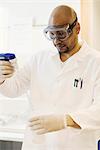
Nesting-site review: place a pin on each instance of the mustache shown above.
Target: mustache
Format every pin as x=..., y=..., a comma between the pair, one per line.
x=59, y=45
x=63, y=52
x=67, y=49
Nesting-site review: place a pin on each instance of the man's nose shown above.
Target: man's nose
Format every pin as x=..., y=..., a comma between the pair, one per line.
x=57, y=40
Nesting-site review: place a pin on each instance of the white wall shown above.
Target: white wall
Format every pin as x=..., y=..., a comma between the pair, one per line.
x=96, y=24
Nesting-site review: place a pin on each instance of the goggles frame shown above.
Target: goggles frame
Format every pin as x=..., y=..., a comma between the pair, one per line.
x=67, y=30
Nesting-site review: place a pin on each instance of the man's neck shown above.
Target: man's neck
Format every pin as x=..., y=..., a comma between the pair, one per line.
x=65, y=56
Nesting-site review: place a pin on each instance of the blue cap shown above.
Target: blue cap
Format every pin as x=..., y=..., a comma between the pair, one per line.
x=7, y=56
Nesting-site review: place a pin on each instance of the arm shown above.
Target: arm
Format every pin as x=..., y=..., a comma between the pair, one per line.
x=15, y=85
x=50, y=123
x=18, y=83
x=6, y=70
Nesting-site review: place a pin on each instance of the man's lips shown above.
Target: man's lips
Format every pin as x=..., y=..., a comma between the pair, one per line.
x=61, y=47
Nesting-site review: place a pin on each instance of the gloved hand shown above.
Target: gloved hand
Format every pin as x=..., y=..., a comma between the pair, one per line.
x=48, y=123
x=6, y=70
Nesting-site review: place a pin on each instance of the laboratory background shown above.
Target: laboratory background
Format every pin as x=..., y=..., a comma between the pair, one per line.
x=21, y=32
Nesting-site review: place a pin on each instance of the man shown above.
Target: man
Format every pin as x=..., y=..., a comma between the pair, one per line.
x=64, y=88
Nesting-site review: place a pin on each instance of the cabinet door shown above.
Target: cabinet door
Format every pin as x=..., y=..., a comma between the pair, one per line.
x=10, y=145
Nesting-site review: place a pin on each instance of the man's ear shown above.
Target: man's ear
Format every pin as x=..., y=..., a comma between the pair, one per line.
x=77, y=27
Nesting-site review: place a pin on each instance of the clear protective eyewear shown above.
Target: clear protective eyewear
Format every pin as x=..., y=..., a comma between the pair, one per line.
x=60, y=32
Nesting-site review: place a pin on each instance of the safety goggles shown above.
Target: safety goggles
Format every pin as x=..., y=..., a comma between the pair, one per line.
x=59, y=32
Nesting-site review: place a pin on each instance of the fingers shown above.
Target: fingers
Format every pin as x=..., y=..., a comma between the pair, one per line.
x=34, y=119
x=5, y=76
x=6, y=72
x=36, y=125
x=33, y=123
x=38, y=129
x=6, y=69
x=2, y=62
x=41, y=131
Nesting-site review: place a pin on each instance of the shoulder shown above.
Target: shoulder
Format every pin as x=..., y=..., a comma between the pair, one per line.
x=91, y=54
x=90, y=58
x=95, y=53
x=95, y=56
x=94, y=59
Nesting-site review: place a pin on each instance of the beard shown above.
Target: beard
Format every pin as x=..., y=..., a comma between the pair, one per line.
x=62, y=50
x=65, y=47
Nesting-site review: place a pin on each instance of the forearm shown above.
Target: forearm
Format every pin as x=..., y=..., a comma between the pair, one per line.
x=8, y=88
x=15, y=86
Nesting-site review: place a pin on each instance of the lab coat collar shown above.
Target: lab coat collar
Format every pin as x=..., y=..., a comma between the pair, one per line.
x=74, y=61
x=79, y=56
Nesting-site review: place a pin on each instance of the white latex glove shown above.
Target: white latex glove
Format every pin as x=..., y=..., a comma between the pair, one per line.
x=6, y=70
x=48, y=123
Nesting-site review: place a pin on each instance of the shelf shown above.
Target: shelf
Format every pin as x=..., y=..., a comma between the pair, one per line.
x=9, y=136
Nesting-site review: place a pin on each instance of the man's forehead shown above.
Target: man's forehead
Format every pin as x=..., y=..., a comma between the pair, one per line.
x=57, y=21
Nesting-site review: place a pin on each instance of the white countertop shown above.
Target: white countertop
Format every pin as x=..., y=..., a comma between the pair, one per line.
x=12, y=133
x=13, y=115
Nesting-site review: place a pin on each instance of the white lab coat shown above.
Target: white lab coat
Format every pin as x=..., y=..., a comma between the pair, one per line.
x=72, y=87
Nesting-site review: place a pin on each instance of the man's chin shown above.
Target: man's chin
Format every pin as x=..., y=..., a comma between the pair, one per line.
x=63, y=50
